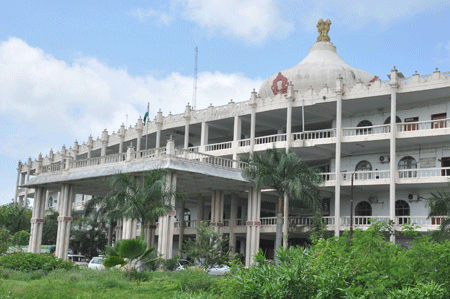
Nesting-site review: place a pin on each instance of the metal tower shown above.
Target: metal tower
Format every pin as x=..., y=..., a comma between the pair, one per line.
x=194, y=96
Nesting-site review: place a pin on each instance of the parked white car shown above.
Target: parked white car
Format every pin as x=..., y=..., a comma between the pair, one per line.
x=96, y=263
x=218, y=270
x=78, y=259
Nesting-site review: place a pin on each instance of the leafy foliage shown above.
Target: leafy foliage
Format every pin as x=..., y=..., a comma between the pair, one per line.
x=132, y=251
x=439, y=204
x=15, y=218
x=367, y=267
x=34, y=261
x=211, y=248
x=87, y=235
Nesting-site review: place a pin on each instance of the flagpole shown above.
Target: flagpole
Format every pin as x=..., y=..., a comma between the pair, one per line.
x=148, y=117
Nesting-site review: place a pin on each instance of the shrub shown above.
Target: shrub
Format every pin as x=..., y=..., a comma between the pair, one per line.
x=34, y=261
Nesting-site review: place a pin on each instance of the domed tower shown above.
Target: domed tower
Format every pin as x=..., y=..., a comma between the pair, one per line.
x=321, y=67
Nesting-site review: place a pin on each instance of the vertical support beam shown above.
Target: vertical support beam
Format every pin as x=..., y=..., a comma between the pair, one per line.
x=166, y=223
x=392, y=148
x=290, y=99
x=104, y=143
x=200, y=212
x=19, y=169
x=253, y=120
x=187, y=117
x=119, y=229
x=253, y=225
x=337, y=188
x=122, y=137
x=237, y=132
x=204, y=136
x=286, y=221
x=182, y=225
x=248, y=247
x=64, y=221
x=47, y=196
x=37, y=220
x=233, y=216
x=90, y=144
x=159, y=122
x=139, y=129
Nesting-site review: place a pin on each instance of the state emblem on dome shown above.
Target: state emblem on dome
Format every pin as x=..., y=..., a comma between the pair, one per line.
x=280, y=87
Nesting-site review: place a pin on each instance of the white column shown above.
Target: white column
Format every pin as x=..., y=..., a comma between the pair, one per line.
x=233, y=216
x=166, y=223
x=204, y=136
x=90, y=144
x=19, y=169
x=187, y=117
x=248, y=243
x=392, y=152
x=47, y=196
x=337, y=188
x=290, y=99
x=104, y=143
x=37, y=220
x=139, y=129
x=119, y=229
x=181, y=234
x=285, y=240
x=252, y=120
x=237, y=132
x=64, y=221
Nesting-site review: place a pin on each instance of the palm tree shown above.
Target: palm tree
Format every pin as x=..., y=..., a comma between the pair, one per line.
x=439, y=204
x=287, y=174
x=144, y=200
x=96, y=209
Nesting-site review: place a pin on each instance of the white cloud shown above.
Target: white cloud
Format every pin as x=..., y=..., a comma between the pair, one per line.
x=358, y=14
x=443, y=52
x=51, y=97
x=142, y=15
x=252, y=20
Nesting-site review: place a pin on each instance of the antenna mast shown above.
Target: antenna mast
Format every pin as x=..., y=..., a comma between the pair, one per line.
x=194, y=96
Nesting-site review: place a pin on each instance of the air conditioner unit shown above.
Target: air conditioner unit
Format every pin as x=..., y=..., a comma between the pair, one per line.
x=413, y=197
x=373, y=199
x=384, y=159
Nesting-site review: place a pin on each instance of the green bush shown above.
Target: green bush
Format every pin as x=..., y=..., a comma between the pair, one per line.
x=34, y=261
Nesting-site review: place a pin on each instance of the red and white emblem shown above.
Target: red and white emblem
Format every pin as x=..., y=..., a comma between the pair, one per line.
x=282, y=87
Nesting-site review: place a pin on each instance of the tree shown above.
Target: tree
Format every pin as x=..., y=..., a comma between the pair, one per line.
x=87, y=235
x=287, y=174
x=144, y=200
x=128, y=252
x=97, y=210
x=210, y=249
x=15, y=218
x=439, y=204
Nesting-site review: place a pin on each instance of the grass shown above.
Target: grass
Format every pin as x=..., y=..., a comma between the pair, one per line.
x=87, y=283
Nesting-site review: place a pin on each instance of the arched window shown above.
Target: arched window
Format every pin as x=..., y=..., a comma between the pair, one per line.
x=367, y=131
x=363, y=166
x=388, y=120
x=402, y=209
x=407, y=162
x=363, y=209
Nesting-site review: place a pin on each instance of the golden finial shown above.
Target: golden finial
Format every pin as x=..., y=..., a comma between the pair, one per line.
x=323, y=28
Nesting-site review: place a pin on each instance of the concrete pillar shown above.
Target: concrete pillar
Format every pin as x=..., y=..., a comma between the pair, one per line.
x=392, y=147
x=237, y=132
x=253, y=120
x=64, y=221
x=204, y=136
x=47, y=196
x=166, y=223
x=285, y=239
x=37, y=220
x=122, y=137
x=90, y=144
x=200, y=212
x=139, y=129
x=30, y=164
x=187, y=117
x=104, y=145
x=337, y=188
x=182, y=225
x=233, y=216
x=159, y=121
x=253, y=224
x=19, y=169
x=119, y=229
x=290, y=99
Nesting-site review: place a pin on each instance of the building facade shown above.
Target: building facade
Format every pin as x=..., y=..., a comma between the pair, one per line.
x=337, y=118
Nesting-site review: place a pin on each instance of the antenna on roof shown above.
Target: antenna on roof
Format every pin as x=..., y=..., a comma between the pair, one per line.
x=194, y=96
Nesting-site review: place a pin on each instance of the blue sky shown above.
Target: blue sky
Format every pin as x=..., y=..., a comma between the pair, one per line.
x=69, y=69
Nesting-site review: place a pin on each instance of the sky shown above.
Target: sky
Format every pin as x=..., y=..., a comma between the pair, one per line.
x=69, y=69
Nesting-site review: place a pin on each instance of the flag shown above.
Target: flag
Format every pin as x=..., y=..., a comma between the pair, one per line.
x=146, y=114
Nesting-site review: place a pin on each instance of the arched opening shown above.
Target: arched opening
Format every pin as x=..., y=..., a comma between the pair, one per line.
x=402, y=209
x=407, y=162
x=363, y=166
x=364, y=131
x=388, y=121
x=362, y=211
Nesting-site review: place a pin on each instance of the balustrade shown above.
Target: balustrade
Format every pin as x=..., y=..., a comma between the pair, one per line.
x=270, y=139
x=424, y=125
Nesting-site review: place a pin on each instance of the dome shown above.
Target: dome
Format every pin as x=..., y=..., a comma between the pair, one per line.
x=321, y=67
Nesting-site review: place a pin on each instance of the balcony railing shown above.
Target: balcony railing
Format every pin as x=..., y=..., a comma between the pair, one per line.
x=371, y=130
x=319, y=134
x=424, y=125
x=270, y=139
x=366, y=175
x=218, y=146
x=424, y=172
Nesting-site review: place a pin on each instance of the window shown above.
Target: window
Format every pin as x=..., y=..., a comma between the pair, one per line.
x=187, y=217
x=402, y=209
x=411, y=127
x=366, y=131
x=407, y=163
x=437, y=122
x=388, y=121
x=50, y=201
x=363, y=166
x=363, y=209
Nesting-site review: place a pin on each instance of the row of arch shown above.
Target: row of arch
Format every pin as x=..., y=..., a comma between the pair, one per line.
x=407, y=162
x=364, y=208
x=367, y=123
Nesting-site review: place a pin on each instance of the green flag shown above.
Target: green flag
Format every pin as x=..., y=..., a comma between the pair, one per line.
x=145, y=118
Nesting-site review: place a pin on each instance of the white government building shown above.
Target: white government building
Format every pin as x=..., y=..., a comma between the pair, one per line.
x=336, y=117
